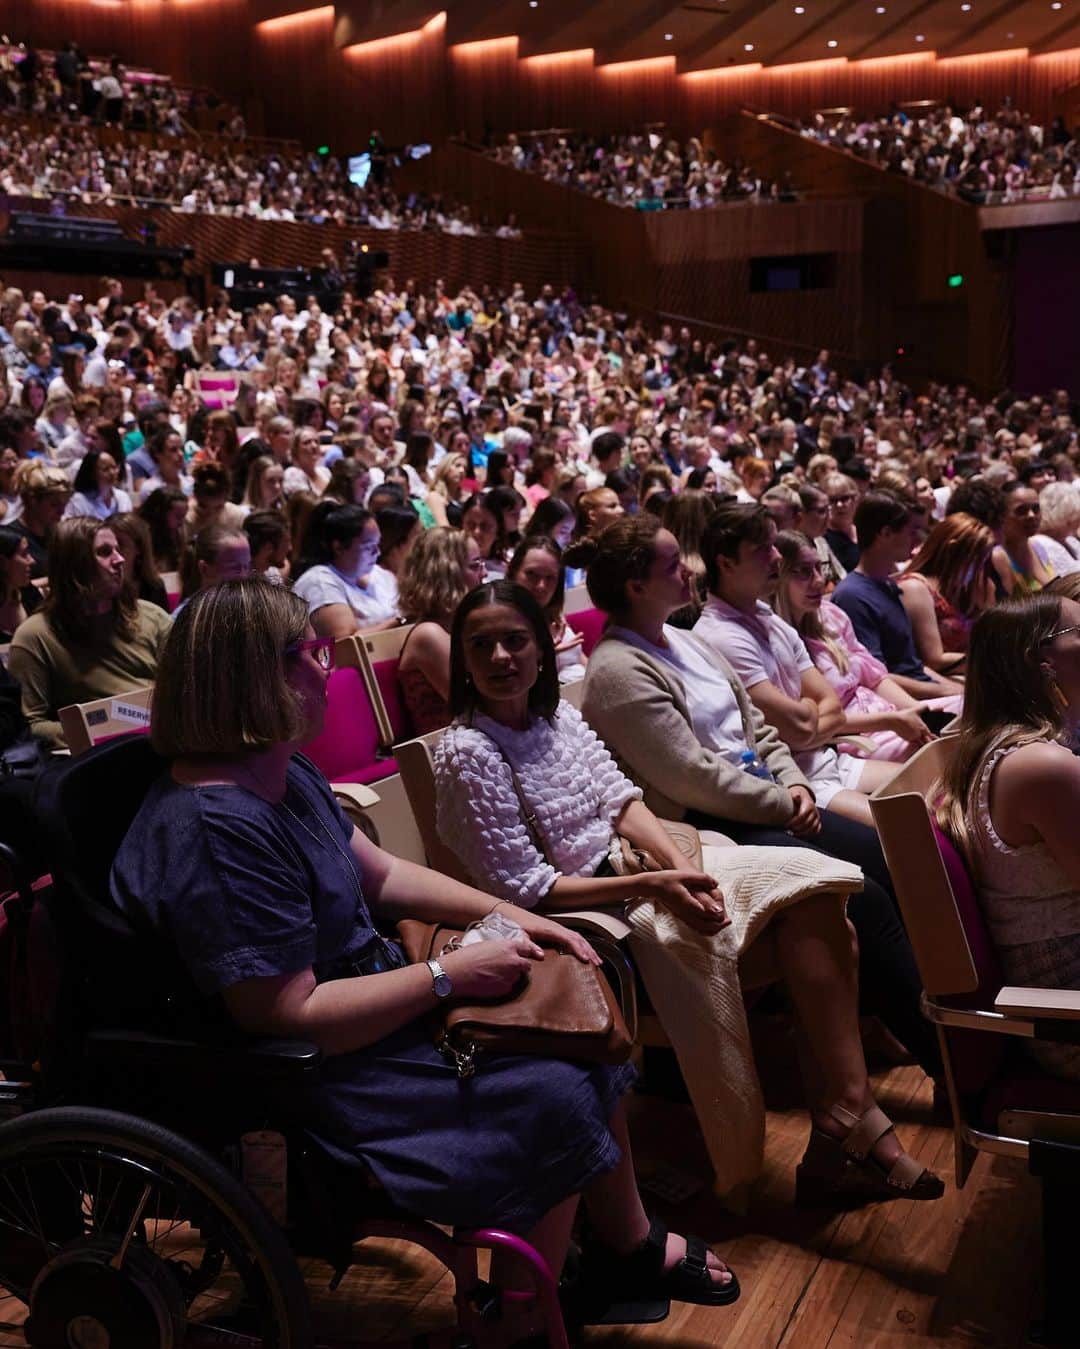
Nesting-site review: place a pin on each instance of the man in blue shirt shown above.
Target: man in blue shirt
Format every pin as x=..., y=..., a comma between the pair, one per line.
x=871, y=599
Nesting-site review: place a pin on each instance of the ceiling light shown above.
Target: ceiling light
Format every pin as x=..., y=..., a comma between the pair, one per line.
x=880, y=9
x=748, y=47
x=800, y=9
x=831, y=42
x=966, y=8
x=920, y=37
x=1056, y=4
x=668, y=37
x=533, y=4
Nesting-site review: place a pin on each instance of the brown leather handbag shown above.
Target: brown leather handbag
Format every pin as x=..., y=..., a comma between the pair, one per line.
x=563, y=1009
x=685, y=837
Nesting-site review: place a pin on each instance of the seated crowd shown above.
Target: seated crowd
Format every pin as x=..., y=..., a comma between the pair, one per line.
x=68, y=85
x=72, y=161
x=644, y=169
x=984, y=157
x=802, y=579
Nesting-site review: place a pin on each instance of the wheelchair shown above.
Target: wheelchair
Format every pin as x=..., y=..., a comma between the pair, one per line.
x=125, y=1219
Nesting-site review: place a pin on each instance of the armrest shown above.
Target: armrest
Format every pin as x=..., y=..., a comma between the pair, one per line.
x=356, y=793
x=857, y=741
x=1039, y=1003
x=357, y=801
x=260, y=1060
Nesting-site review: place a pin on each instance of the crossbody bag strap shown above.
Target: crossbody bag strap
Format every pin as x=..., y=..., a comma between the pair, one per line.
x=532, y=824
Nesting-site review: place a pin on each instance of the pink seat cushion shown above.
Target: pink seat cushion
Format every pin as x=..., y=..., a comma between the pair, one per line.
x=349, y=743
x=386, y=676
x=172, y=598
x=375, y=772
x=977, y=1057
x=590, y=624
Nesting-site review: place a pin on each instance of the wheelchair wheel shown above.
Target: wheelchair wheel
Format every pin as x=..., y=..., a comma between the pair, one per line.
x=115, y=1232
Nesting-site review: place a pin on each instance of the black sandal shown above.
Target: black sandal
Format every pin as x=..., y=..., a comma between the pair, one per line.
x=641, y=1274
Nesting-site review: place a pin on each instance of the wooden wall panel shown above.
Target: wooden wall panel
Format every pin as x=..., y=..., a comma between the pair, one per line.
x=425, y=255
x=416, y=87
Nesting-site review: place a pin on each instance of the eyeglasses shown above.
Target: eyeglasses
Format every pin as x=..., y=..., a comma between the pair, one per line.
x=322, y=648
x=842, y=500
x=807, y=572
x=1060, y=632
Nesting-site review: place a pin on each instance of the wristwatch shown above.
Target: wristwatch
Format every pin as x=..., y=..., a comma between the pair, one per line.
x=440, y=980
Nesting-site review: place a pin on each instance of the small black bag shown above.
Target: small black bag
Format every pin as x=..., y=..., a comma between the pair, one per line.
x=25, y=758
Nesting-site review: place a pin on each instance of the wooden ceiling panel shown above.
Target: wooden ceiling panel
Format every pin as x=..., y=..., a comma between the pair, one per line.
x=646, y=36
x=1007, y=28
x=716, y=34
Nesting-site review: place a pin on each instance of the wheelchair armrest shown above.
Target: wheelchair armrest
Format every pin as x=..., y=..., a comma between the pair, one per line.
x=256, y=1059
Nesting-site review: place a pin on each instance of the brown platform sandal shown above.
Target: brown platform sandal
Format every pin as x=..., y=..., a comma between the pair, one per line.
x=843, y=1171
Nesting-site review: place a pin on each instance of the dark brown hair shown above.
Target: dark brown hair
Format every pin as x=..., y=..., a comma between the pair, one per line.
x=544, y=694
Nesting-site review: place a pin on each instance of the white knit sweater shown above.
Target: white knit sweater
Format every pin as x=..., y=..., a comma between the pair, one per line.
x=570, y=781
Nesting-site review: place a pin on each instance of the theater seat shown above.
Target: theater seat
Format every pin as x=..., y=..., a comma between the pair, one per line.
x=590, y=624
x=348, y=748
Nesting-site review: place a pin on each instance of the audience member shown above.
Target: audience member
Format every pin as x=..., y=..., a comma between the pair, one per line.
x=92, y=637
x=440, y=570
x=946, y=587
x=871, y=598
x=338, y=575
x=1009, y=795
x=537, y=566
x=874, y=704
x=772, y=663
x=136, y=547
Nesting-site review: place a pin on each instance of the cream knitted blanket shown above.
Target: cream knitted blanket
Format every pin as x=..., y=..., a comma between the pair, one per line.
x=693, y=983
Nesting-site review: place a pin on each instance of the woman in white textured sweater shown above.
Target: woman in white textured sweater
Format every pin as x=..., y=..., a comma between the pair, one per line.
x=534, y=805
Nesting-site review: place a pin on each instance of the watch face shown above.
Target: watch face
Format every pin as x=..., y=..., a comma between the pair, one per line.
x=443, y=986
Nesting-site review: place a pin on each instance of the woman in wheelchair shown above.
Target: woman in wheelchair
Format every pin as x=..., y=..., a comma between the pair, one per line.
x=534, y=805
x=241, y=857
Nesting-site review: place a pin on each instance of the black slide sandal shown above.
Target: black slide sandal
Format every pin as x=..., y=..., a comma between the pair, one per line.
x=641, y=1275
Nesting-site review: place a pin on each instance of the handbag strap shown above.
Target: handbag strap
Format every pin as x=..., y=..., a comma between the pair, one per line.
x=532, y=824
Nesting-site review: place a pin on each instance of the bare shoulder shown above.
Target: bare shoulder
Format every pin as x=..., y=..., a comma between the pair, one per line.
x=1041, y=766
x=428, y=638
x=915, y=591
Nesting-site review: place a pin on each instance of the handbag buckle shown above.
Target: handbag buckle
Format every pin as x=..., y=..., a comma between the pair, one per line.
x=463, y=1059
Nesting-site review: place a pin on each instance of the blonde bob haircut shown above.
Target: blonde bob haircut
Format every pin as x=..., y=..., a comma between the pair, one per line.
x=222, y=685
x=434, y=579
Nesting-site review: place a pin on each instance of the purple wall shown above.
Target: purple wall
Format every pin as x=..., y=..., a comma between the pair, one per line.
x=1046, y=299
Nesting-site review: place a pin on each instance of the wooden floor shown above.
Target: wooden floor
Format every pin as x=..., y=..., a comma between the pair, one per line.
x=959, y=1272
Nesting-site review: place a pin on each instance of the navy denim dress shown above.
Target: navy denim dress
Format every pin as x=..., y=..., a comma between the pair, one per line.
x=244, y=889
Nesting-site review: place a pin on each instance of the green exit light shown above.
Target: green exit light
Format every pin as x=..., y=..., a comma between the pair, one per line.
x=956, y=280
x=325, y=150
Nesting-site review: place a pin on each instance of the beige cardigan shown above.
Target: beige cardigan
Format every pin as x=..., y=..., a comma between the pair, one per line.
x=637, y=705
